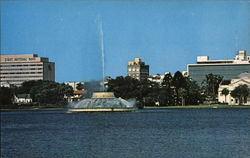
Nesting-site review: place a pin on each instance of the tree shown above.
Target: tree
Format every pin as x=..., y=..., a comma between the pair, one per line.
x=167, y=80
x=126, y=87
x=166, y=93
x=225, y=92
x=212, y=85
x=79, y=86
x=150, y=93
x=241, y=93
x=178, y=82
x=183, y=93
x=5, y=96
x=193, y=90
x=46, y=92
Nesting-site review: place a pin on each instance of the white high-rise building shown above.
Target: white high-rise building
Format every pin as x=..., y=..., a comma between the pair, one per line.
x=15, y=69
x=229, y=69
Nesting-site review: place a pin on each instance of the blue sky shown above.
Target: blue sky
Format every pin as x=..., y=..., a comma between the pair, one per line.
x=166, y=34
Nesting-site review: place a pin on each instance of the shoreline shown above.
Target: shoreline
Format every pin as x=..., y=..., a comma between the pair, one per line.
x=200, y=107
x=147, y=107
x=33, y=109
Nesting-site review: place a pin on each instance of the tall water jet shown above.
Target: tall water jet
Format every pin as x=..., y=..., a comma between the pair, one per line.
x=103, y=101
x=101, y=36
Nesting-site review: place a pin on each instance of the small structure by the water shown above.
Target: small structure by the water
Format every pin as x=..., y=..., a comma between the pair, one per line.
x=103, y=102
x=21, y=99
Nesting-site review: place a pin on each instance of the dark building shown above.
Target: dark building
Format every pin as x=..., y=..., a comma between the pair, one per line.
x=137, y=69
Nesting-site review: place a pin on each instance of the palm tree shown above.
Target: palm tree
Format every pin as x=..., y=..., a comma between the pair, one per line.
x=225, y=92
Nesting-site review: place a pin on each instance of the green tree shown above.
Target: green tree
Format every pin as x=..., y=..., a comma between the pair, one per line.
x=167, y=91
x=212, y=85
x=241, y=93
x=79, y=86
x=6, y=95
x=183, y=94
x=178, y=82
x=46, y=92
x=148, y=92
x=194, y=92
x=167, y=80
x=225, y=92
x=125, y=87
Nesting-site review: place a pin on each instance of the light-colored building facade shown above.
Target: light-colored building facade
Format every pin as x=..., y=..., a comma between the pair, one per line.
x=158, y=78
x=15, y=69
x=73, y=84
x=138, y=69
x=229, y=69
x=22, y=99
x=231, y=85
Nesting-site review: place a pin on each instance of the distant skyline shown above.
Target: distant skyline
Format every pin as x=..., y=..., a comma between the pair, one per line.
x=167, y=35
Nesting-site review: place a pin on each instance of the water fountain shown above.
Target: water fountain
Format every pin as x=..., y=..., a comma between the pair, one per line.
x=103, y=101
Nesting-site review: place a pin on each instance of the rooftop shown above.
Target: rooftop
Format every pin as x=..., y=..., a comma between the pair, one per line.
x=240, y=58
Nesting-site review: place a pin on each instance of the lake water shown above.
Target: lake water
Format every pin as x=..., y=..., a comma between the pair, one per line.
x=177, y=133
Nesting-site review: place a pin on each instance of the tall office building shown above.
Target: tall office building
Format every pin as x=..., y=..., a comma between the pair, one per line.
x=137, y=69
x=15, y=69
x=229, y=69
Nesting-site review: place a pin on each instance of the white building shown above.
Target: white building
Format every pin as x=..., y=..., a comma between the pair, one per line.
x=138, y=69
x=157, y=78
x=229, y=69
x=73, y=84
x=231, y=85
x=15, y=69
x=22, y=99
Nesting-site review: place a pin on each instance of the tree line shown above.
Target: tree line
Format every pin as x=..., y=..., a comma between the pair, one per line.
x=174, y=90
x=43, y=93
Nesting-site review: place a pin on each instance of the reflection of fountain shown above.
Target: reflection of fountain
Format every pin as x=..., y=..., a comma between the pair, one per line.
x=103, y=101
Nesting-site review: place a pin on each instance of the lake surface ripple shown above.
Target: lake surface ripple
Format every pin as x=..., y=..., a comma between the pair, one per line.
x=177, y=133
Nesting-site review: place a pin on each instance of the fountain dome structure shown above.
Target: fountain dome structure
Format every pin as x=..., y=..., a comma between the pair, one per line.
x=103, y=102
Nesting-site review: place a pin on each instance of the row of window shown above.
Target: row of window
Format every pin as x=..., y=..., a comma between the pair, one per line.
x=8, y=73
x=21, y=69
x=20, y=76
x=135, y=75
x=223, y=70
x=206, y=67
x=134, y=69
x=12, y=81
x=19, y=65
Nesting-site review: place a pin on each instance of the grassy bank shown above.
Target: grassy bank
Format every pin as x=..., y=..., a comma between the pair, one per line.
x=200, y=107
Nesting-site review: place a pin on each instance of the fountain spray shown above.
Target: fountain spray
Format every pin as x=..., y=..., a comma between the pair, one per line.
x=100, y=28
